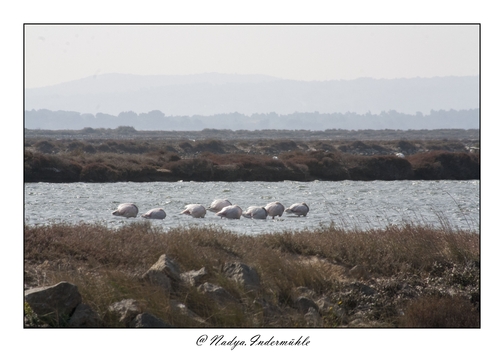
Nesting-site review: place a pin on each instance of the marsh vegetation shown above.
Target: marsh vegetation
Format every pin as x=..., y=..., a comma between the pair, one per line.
x=401, y=276
x=139, y=160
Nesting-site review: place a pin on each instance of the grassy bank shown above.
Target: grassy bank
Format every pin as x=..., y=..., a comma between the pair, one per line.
x=47, y=160
x=407, y=276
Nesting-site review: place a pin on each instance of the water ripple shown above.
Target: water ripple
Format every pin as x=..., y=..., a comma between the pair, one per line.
x=349, y=204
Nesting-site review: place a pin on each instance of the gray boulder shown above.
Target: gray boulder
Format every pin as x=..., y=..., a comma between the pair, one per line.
x=193, y=318
x=146, y=320
x=243, y=274
x=84, y=316
x=126, y=310
x=217, y=293
x=54, y=304
x=164, y=273
x=194, y=277
x=303, y=304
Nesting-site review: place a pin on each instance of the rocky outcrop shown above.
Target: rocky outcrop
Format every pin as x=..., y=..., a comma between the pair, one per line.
x=303, y=304
x=146, y=320
x=303, y=291
x=58, y=305
x=194, y=277
x=85, y=317
x=130, y=313
x=243, y=274
x=383, y=167
x=193, y=318
x=125, y=310
x=217, y=293
x=164, y=273
x=54, y=304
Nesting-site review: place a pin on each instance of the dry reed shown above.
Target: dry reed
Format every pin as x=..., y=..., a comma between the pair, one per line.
x=404, y=265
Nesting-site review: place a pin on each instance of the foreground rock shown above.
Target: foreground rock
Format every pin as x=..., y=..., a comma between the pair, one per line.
x=54, y=304
x=130, y=313
x=193, y=318
x=194, y=277
x=146, y=320
x=217, y=293
x=164, y=273
x=243, y=274
x=303, y=304
x=125, y=310
x=85, y=317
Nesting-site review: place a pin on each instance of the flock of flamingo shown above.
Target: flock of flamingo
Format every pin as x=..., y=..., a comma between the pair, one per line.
x=222, y=208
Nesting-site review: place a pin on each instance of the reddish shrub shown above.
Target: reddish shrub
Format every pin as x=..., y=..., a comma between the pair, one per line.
x=381, y=168
x=48, y=168
x=284, y=145
x=131, y=148
x=104, y=148
x=142, y=174
x=213, y=146
x=437, y=165
x=98, y=172
x=163, y=156
x=186, y=147
x=320, y=164
x=76, y=145
x=192, y=169
x=407, y=147
x=88, y=148
x=319, y=155
x=324, y=146
x=45, y=147
x=229, y=172
x=242, y=160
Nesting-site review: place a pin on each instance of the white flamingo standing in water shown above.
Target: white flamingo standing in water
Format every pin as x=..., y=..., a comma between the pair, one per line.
x=298, y=209
x=218, y=204
x=274, y=209
x=195, y=210
x=127, y=210
x=230, y=212
x=255, y=212
x=156, y=213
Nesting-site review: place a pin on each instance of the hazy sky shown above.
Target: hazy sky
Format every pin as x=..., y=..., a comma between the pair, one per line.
x=60, y=53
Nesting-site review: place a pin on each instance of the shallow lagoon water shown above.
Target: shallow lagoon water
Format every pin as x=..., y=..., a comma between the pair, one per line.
x=348, y=204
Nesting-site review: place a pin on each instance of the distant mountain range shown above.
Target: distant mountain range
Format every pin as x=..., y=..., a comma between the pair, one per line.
x=213, y=93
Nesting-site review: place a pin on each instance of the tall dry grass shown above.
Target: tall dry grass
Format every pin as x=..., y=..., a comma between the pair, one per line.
x=106, y=265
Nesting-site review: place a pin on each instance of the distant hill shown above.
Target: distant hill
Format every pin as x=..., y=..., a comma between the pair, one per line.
x=156, y=121
x=213, y=93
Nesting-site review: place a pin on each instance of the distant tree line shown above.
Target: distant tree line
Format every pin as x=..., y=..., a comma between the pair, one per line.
x=157, y=120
